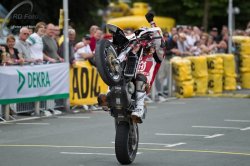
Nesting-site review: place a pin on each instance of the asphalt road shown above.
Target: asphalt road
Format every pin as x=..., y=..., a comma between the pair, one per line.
x=184, y=132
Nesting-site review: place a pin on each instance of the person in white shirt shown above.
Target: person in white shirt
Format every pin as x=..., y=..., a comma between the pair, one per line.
x=182, y=45
x=83, y=51
x=36, y=43
x=22, y=46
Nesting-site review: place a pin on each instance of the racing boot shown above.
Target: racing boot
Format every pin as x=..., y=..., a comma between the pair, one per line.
x=102, y=101
x=138, y=113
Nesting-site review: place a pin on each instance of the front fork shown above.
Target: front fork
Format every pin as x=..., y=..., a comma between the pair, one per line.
x=123, y=55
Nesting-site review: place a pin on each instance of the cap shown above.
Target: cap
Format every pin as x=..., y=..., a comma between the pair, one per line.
x=86, y=37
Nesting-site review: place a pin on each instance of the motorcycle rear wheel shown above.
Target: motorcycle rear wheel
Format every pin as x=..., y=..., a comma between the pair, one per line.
x=126, y=142
x=105, y=53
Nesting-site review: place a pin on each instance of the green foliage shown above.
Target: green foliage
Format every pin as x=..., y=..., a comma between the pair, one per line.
x=191, y=12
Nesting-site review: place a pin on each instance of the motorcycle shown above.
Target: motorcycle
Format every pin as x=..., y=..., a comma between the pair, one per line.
x=118, y=69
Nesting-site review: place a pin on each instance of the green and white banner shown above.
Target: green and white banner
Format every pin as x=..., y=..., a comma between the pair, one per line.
x=33, y=83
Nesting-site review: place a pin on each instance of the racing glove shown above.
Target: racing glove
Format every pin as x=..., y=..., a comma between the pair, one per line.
x=149, y=16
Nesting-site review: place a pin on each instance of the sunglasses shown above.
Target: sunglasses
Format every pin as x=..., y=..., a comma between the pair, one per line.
x=26, y=33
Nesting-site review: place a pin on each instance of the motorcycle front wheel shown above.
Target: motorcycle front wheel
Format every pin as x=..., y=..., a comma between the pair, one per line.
x=126, y=142
x=105, y=53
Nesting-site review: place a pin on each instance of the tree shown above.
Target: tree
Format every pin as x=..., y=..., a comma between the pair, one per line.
x=207, y=13
x=83, y=14
x=205, y=17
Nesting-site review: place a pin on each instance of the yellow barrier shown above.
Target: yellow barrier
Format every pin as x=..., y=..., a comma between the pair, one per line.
x=209, y=74
x=201, y=85
x=245, y=80
x=182, y=75
x=241, y=39
x=199, y=73
x=215, y=64
x=245, y=48
x=229, y=83
x=215, y=83
x=228, y=65
x=245, y=63
x=182, y=69
x=198, y=66
x=185, y=89
x=85, y=84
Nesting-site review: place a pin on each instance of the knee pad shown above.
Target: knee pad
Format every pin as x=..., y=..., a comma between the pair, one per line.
x=141, y=83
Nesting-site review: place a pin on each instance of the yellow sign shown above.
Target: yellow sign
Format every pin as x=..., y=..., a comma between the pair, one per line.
x=85, y=84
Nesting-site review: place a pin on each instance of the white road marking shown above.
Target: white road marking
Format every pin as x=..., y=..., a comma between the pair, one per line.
x=220, y=127
x=174, y=145
x=100, y=154
x=74, y=117
x=33, y=123
x=158, y=144
x=244, y=129
x=191, y=135
x=215, y=135
x=232, y=120
x=165, y=145
x=161, y=144
x=217, y=127
x=188, y=135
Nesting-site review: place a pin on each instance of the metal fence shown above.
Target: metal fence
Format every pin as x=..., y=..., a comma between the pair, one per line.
x=29, y=108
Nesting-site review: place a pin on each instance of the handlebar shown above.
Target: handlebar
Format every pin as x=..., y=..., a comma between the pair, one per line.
x=123, y=54
x=141, y=39
x=149, y=38
x=157, y=37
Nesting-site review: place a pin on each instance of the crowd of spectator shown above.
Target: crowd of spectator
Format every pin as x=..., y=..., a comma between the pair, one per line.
x=45, y=44
x=192, y=40
x=185, y=40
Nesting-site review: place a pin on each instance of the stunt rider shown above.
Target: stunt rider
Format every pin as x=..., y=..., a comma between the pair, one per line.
x=148, y=67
